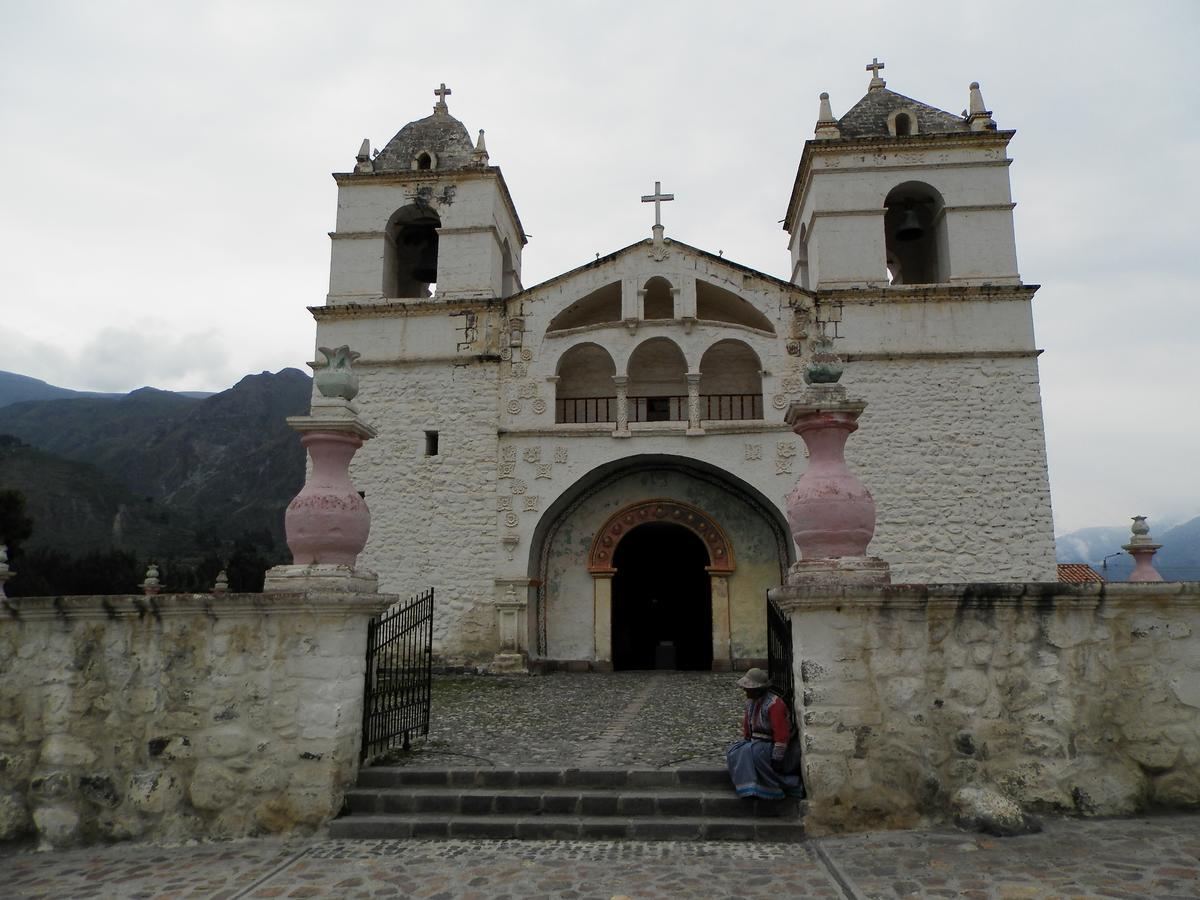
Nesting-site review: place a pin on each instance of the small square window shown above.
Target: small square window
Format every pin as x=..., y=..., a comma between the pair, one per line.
x=431, y=443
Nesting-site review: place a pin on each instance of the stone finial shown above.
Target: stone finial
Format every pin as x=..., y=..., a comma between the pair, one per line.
x=222, y=584
x=877, y=83
x=151, y=585
x=1142, y=548
x=363, y=164
x=5, y=572
x=480, y=155
x=337, y=378
x=827, y=128
x=979, y=118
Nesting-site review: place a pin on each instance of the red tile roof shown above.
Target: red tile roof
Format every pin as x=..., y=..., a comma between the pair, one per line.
x=1077, y=573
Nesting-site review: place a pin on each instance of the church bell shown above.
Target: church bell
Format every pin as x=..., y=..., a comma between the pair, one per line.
x=910, y=228
x=422, y=242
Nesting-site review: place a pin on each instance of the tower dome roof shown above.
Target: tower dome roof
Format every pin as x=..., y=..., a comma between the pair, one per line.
x=440, y=136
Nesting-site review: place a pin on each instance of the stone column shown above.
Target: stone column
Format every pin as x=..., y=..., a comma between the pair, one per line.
x=602, y=619
x=512, y=630
x=693, y=401
x=622, y=385
x=722, y=650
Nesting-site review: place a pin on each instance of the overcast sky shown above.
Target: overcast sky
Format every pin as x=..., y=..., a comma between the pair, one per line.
x=167, y=198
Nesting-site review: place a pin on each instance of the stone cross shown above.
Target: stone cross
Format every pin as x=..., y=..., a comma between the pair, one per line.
x=657, y=198
x=873, y=68
x=441, y=93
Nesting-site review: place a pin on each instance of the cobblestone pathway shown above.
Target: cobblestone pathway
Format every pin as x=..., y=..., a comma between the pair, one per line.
x=620, y=719
x=1125, y=858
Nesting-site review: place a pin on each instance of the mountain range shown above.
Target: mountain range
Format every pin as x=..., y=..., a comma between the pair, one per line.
x=153, y=472
x=168, y=474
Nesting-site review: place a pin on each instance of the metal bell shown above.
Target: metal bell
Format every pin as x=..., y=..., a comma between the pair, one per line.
x=910, y=228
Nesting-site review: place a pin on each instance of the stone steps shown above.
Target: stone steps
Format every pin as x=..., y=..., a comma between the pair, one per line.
x=541, y=804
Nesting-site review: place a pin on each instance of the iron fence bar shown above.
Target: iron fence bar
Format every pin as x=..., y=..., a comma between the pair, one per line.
x=779, y=652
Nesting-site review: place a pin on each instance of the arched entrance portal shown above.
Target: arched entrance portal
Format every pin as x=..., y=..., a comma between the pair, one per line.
x=661, y=600
x=660, y=571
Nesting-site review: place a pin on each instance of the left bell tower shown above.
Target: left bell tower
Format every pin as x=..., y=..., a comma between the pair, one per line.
x=425, y=217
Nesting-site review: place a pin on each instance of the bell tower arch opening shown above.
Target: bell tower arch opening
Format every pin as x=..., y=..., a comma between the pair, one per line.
x=410, y=252
x=914, y=234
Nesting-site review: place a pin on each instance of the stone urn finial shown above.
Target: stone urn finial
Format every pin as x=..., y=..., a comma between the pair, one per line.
x=151, y=585
x=1142, y=548
x=222, y=584
x=337, y=379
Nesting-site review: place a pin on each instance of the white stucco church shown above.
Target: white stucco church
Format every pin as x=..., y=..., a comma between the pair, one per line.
x=591, y=471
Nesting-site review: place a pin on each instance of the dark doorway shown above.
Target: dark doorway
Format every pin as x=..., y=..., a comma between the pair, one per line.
x=661, y=600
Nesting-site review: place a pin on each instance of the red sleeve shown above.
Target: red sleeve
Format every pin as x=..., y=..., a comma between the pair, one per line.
x=746, y=723
x=780, y=726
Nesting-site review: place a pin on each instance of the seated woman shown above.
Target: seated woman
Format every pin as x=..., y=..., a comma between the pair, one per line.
x=766, y=762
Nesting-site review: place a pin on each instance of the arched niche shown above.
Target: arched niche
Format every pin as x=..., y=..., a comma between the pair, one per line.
x=658, y=299
x=585, y=391
x=730, y=382
x=410, y=251
x=602, y=306
x=604, y=545
x=715, y=304
x=657, y=388
x=915, y=234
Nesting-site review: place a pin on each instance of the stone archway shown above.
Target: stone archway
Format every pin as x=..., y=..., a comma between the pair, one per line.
x=665, y=512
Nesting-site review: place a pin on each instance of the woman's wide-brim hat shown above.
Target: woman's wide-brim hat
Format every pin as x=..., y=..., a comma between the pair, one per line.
x=755, y=678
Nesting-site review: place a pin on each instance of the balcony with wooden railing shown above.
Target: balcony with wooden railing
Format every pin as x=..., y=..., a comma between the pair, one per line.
x=672, y=408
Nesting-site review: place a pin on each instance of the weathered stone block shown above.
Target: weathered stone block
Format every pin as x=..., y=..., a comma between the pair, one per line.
x=15, y=819
x=155, y=791
x=221, y=742
x=57, y=826
x=1158, y=756
x=213, y=786
x=64, y=750
x=1109, y=787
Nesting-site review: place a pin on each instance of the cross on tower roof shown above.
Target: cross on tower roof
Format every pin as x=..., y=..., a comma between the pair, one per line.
x=441, y=93
x=874, y=67
x=657, y=198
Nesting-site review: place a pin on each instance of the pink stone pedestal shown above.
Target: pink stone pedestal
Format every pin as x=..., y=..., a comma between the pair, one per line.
x=327, y=523
x=1142, y=548
x=831, y=512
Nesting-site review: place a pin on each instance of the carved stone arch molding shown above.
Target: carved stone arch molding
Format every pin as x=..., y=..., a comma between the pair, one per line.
x=620, y=523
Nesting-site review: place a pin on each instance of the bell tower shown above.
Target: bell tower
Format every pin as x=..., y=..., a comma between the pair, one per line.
x=426, y=216
x=897, y=192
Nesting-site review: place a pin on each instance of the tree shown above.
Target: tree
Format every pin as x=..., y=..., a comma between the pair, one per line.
x=15, y=526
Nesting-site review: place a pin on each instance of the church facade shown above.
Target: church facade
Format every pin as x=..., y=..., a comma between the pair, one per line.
x=591, y=471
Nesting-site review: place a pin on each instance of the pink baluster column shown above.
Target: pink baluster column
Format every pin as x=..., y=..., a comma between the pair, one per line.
x=831, y=512
x=328, y=522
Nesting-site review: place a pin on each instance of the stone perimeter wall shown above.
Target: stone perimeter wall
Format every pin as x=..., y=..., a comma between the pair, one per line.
x=178, y=716
x=1080, y=699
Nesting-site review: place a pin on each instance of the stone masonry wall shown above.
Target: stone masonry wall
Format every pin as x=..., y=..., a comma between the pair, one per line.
x=178, y=716
x=1069, y=698
x=433, y=518
x=954, y=453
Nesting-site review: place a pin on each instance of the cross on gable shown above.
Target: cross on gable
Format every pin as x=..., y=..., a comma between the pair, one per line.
x=441, y=93
x=873, y=68
x=657, y=198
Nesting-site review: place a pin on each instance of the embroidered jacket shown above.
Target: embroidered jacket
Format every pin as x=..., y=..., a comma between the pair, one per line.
x=767, y=719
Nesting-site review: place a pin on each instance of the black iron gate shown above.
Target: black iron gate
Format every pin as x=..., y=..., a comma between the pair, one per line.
x=779, y=652
x=399, y=675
